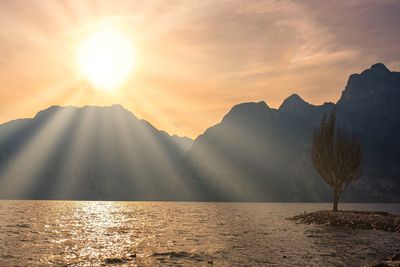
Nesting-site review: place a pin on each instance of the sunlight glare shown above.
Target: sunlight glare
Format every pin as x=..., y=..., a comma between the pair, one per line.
x=105, y=59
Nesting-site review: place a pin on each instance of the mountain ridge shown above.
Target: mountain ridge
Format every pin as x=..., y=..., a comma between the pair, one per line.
x=283, y=144
x=255, y=153
x=87, y=153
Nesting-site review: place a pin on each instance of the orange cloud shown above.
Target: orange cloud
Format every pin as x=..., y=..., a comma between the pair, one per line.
x=196, y=59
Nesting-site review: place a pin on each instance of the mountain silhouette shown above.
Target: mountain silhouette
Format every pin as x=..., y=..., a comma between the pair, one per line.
x=258, y=153
x=103, y=153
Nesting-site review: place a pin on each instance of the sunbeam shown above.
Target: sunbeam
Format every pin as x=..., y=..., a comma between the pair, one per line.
x=195, y=133
x=23, y=168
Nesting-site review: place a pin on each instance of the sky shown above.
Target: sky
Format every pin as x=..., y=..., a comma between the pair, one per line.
x=194, y=59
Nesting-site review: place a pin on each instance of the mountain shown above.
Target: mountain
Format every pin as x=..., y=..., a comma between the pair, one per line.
x=257, y=153
x=369, y=106
x=103, y=153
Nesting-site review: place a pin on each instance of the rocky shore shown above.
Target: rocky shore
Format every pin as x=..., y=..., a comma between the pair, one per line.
x=393, y=261
x=375, y=220
x=353, y=219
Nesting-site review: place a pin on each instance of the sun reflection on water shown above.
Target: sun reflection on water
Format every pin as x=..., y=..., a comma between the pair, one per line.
x=99, y=228
x=79, y=233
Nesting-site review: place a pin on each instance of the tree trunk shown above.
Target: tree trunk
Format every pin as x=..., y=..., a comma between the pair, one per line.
x=335, y=202
x=335, y=199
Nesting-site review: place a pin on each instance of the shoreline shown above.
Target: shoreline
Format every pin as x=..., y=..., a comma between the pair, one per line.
x=354, y=219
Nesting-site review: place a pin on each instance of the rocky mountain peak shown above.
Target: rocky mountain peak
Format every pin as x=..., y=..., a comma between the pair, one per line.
x=379, y=67
x=248, y=109
x=376, y=85
x=293, y=103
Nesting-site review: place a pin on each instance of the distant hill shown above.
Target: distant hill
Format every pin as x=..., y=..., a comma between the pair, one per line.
x=257, y=153
x=87, y=153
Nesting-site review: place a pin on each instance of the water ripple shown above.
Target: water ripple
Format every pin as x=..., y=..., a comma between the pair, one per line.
x=79, y=233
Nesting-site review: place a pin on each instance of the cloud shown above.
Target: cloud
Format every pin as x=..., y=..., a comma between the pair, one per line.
x=197, y=58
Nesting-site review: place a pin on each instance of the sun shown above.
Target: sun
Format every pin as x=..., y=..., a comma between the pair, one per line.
x=105, y=58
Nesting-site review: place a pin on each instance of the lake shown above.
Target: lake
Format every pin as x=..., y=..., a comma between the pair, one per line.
x=87, y=233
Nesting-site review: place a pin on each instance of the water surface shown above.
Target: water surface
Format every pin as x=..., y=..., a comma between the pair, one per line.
x=84, y=233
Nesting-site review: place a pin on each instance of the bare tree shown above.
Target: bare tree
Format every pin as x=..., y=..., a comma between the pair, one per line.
x=336, y=155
